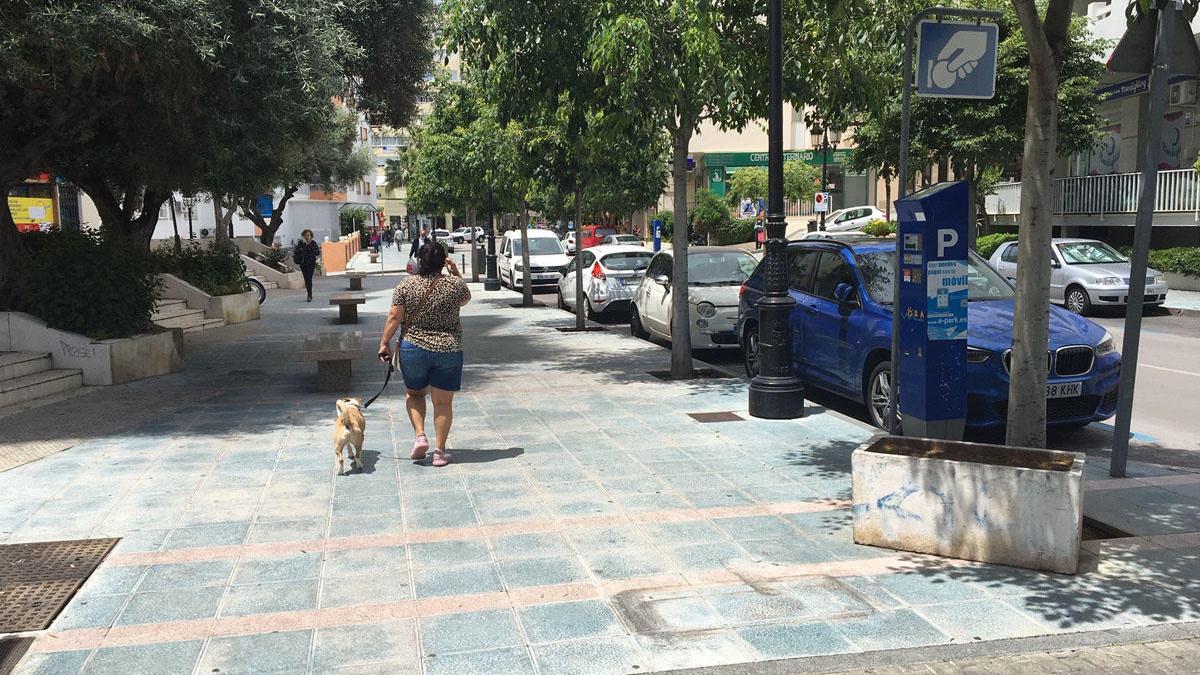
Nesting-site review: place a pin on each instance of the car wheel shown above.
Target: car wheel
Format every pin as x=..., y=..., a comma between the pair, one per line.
x=1077, y=301
x=589, y=313
x=750, y=355
x=635, y=325
x=562, y=302
x=879, y=388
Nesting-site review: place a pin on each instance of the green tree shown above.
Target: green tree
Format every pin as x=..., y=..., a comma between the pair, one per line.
x=746, y=183
x=800, y=181
x=710, y=214
x=681, y=63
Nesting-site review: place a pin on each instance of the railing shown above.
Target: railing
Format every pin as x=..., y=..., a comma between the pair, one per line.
x=800, y=208
x=1178, y=191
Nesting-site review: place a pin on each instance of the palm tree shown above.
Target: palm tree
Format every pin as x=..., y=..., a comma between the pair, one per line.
x=395, y=171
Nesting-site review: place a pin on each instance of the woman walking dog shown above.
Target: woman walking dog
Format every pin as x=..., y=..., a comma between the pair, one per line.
x=425, y=309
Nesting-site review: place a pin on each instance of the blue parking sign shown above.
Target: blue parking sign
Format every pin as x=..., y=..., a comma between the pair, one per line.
x=957, y=59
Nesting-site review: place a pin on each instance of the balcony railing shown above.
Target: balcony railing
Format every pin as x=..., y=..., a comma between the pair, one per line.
x=1178, y=191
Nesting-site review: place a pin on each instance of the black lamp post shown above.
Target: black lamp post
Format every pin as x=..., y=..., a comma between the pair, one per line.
x=189, y=201
x=775, y=392
x=492, y=282
x=821, y=141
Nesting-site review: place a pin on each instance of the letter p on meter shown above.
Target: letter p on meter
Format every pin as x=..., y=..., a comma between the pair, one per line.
x=946, y=238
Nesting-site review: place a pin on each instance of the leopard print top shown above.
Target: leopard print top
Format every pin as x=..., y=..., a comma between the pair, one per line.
x=434, y=323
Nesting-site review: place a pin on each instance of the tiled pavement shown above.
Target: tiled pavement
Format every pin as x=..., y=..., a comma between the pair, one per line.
x=589, y=526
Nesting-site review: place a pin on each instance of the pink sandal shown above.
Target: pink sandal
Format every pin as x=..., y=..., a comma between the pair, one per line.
x=441, y=457
x=420, y=447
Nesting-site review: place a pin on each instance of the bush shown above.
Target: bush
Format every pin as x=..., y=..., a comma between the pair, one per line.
x=987, y=245
x=668, y=221
x=710, y=215
x=85, y=283
x=880, y=228
x=735, y=231
x=216, y=270
x=1179, y=260
x=278, y=258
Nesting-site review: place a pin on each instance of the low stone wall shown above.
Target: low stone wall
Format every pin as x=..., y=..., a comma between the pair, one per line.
x=102, y=362
x=231, y=308
x=335, y=255
x=1182, y=282
x=282, y=279
x=989, y=512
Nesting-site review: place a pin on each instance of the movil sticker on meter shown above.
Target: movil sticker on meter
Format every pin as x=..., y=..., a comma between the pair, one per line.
x=946, y=300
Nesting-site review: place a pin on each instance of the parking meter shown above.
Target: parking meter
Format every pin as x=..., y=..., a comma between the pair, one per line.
x=933, y=310
x=657, y=235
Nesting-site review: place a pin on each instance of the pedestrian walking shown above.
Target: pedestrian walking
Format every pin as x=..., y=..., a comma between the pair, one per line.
x=414, y=263
x=425, y=310
x=305, y=255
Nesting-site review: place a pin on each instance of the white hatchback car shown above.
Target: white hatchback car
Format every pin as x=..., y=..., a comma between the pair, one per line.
x=611, y=274
x=853, y=218
x=715, y=277
x=625, y=239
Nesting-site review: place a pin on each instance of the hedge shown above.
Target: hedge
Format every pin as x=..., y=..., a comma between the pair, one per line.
x=987, y=245
x=880, y=228
x=735, y=231
x=216, y=270
x=1180, y=260
x=83, y=282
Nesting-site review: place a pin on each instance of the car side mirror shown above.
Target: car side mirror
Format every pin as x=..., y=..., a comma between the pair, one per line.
x=662, y=280
x=1055, y=264
x=844, y=294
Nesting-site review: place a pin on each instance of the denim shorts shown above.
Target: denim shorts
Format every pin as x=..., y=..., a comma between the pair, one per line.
x=422, y=368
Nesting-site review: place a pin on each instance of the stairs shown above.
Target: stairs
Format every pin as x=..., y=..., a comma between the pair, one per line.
x=26, y=376
x=269, y=285
x=175, y=314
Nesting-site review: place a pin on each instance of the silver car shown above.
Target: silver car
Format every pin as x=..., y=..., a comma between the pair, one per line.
x=1085, y=273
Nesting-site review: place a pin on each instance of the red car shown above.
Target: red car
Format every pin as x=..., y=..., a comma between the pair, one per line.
x=593, y=235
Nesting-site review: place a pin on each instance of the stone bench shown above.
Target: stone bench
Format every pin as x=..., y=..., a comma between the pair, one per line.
x=374, y=257
x=356, y=280
x=333, y=353
x=347, y=304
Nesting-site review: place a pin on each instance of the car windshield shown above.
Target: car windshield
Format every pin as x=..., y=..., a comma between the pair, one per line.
x=720, y=268
x=879, y=270
x=1089, y=253
x=628, y=260
x=539, y=246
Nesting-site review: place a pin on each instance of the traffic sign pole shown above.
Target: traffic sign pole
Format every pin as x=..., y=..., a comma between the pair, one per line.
x=893, y=417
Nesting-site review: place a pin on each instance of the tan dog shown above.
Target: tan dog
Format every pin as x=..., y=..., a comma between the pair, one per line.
x=348, y=430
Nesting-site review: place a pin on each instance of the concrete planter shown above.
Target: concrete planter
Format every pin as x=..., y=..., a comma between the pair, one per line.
x=1182, y=282
x=237, y=308
x=103, y=362
x=990, y=503
x=281, y=279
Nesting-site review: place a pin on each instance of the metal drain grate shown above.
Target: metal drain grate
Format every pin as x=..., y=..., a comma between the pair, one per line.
x=586, y=329
x=713, y=417
x=37, y=580
x=11, y=651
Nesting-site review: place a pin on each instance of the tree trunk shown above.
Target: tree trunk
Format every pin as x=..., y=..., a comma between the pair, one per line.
x=580, y=322
x=681, y=320
x=973, y=210
x=887, y=196
x=267, y=228
x=526, y=279
x=219, y=231
x=117, y=213
x=13, y=256
x=1031, y=318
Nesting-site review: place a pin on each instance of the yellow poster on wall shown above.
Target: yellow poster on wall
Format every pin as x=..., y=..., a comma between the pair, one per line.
x=31, y=213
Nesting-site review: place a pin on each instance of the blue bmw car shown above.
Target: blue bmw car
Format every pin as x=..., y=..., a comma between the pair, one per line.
x=842, y=336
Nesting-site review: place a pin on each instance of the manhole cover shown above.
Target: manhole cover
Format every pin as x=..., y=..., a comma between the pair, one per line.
x=37, y=580
x=11, y=651
x=697, y=374
x=712, y=417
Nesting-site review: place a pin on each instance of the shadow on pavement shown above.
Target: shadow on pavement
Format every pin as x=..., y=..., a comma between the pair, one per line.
x=469, y=456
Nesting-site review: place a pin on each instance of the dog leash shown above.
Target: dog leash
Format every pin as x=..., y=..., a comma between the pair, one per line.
x=386, y=378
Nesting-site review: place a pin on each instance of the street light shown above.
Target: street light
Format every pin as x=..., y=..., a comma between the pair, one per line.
x=188, y=202
x=825, y=142
x=491, y=283
x=775, y=392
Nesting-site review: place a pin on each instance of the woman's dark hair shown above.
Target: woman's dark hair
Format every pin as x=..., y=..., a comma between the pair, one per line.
x=432, y=258
x=306, y=231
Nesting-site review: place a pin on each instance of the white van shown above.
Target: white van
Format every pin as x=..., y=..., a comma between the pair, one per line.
x=547, y=260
